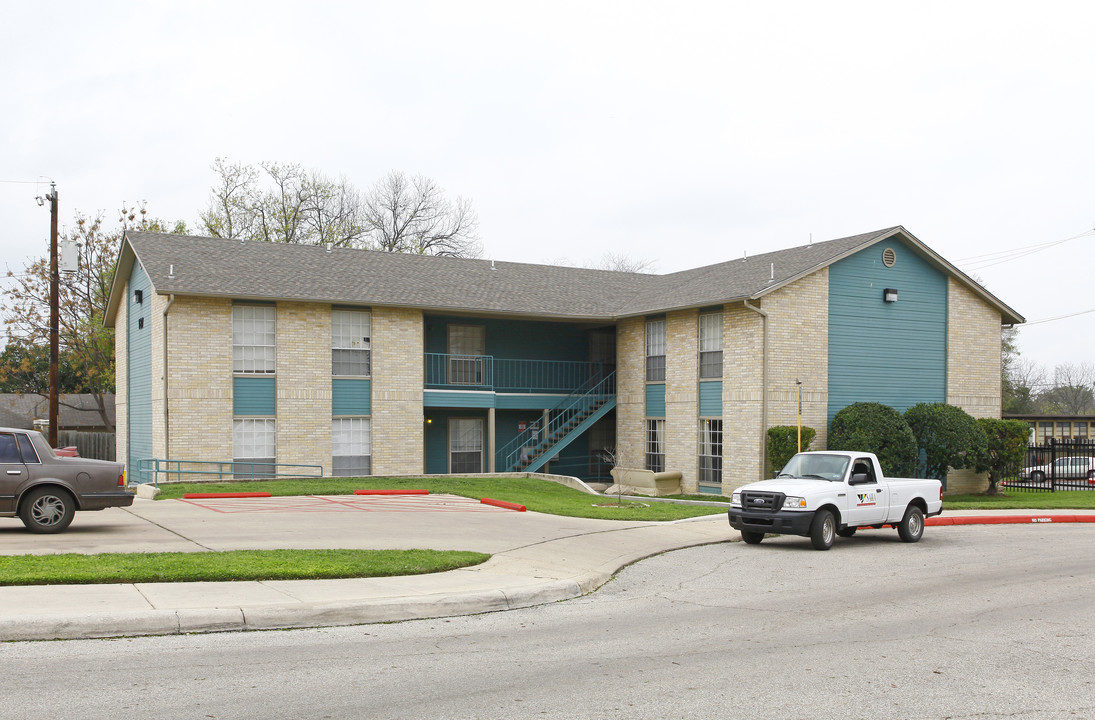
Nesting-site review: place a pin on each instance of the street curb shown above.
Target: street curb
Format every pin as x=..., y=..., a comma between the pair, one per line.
x=1008, y=519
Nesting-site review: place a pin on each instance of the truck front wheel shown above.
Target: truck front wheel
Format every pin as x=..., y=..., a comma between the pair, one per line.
x=911, y=528
x=751, y=538
x=823, y=531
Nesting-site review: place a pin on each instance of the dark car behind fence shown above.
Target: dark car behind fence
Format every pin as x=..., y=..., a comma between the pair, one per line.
x=1057, y=465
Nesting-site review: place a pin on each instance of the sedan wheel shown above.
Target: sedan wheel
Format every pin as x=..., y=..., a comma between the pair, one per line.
x=47, y=510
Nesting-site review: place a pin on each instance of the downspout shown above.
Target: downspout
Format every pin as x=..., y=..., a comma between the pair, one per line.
x=166, y=429
x=764, y=389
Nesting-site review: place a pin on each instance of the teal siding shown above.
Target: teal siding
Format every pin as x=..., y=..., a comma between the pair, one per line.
x=437, y=438
x=655, y=400
x=351, y=397
x=138, y=338
x=515, y=339
x=528, y=402
x=254, y=396
x=457, y=399
x=892, y=353
x=711, y=398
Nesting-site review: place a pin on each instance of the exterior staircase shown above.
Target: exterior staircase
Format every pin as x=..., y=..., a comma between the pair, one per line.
x=532, y=448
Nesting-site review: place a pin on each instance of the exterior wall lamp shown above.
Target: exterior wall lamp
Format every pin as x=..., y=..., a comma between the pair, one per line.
x=889, y=295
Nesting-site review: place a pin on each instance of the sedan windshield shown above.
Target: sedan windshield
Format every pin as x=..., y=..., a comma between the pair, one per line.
x=819, y=467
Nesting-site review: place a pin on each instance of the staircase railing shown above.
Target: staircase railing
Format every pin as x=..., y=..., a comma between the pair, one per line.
x=565, y=418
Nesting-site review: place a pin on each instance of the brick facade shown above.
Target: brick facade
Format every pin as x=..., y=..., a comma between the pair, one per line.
x=304, y=384
x=397, y=391
x=631, y=393
x=199, y=381
x=973, y=367
x=682, y=377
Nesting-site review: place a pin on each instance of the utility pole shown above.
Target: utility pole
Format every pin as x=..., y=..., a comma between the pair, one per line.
x=54, y=316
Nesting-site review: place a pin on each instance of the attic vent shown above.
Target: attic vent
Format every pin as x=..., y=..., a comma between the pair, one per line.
x=889, y=257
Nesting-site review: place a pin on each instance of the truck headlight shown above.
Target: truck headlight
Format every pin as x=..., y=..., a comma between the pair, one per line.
x=735, y=499
x=794, y=503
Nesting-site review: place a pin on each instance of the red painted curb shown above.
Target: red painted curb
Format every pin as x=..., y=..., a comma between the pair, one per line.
x=391, y=492
x=1010, y=519
x=504, y=504
x=206, y=496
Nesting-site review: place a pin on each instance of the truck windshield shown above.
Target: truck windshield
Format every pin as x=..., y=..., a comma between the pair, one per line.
x=819, y=467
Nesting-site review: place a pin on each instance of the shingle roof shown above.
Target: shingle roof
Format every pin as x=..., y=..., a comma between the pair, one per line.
x=187, y=265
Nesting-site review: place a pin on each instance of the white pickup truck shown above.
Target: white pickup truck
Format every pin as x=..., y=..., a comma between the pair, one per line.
x=824, y=494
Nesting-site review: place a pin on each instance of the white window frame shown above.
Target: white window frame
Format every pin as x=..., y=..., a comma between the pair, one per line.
x=710, y=344
x=467, y=346
x=710, y=451
x=655, y=444
x=251, y=435
x=351, y=342
x=463, y=440
x=351, y=440
x=254, y=339
x=655, y=349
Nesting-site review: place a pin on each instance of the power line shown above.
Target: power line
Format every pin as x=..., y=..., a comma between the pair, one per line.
x=979, y=262
x=1059, y=317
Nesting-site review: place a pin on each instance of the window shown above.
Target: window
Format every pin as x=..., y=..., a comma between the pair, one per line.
x=1045, y=432
x=655, y=445
x=1064, y=430
x=1081, y=431
x=255, y=447
x=30, y=456
x=465, y=445
x=711, y=345
x=351, y=442
x=467, y=346
x=655, y=350
x=253, y=338
x=350, y=342
x=711, y=452
x=9, y=451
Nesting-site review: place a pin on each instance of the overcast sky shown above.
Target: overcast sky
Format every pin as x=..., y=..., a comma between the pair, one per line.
x=684, y=133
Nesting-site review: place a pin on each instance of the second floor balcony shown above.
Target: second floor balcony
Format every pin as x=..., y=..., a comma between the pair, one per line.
x=445, y=371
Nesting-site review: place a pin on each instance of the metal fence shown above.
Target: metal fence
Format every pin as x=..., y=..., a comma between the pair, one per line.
x=1057, y=465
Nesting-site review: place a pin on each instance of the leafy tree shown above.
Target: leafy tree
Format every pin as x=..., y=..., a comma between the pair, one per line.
x=877, y=428
x=87, y=347
x=783, y=444
x=285, y=203
x=948, y=436
x=25, y=369
x=1005, y=450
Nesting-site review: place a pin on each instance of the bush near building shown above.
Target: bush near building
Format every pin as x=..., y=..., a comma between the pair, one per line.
x=783, y=444
x=877, y=428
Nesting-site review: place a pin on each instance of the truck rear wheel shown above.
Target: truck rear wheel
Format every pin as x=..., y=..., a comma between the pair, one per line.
x=823, y=531
x=751, y=538
x=911, y=528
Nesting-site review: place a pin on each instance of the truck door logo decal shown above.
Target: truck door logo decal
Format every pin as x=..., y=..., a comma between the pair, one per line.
x=865, y=500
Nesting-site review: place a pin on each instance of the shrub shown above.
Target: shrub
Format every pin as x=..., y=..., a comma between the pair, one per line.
x=783, y=444
x=1006, y=449
x=948, y=436
x=877, y=428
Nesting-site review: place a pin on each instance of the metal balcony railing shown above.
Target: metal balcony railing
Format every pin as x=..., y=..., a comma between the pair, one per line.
x=446, y=371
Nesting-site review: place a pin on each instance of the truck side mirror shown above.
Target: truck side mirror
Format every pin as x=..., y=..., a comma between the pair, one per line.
x=859, y=479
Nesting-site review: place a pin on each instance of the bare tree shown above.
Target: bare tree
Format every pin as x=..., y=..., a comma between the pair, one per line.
x=625, y=263
x=1072, y=391
x=412, y=215
x=278, y=202
x=1025, y=381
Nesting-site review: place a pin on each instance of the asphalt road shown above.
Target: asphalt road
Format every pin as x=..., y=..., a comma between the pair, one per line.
x=977, y=622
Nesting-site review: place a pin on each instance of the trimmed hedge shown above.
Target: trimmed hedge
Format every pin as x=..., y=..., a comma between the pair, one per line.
x=877, y=428
x=783, y=444
x=948, y=436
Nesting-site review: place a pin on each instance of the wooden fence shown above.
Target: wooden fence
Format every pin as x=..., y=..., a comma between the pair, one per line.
x=98, y=445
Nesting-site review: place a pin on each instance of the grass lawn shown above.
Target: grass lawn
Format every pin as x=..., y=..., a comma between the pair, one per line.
x=537, y=495
x=1018, y=499
x=233, y=565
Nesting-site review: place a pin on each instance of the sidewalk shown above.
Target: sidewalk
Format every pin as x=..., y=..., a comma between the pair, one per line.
x=544, y=559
